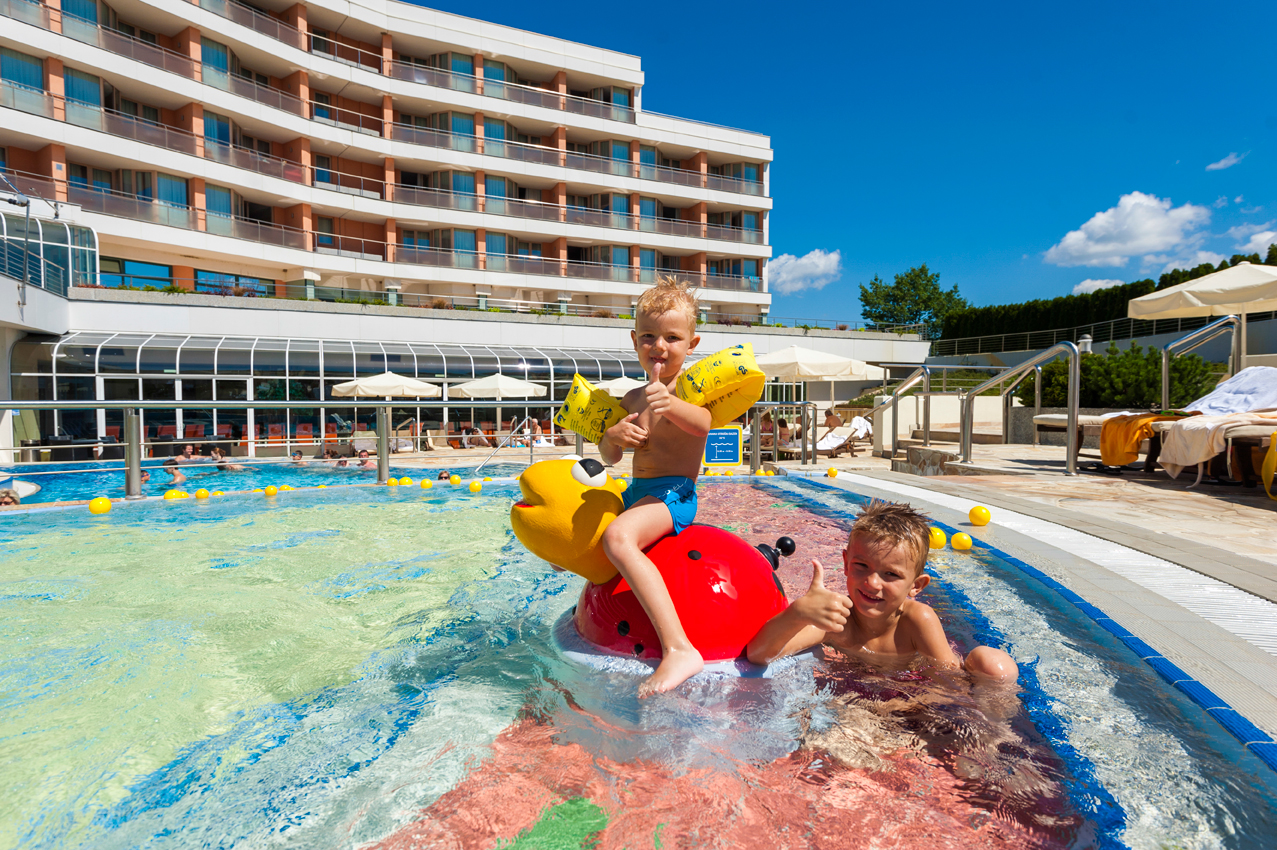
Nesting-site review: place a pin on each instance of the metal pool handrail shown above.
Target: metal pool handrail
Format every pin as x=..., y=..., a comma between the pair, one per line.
x=508, y=437
x=1198, y=338
x=1075, y=383
x=808, y=409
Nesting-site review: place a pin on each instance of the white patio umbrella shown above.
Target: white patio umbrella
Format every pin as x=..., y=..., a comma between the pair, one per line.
x=387, y=384
x=1244, y=288
x=618, y=387
x=498, y=387
x=796, y=363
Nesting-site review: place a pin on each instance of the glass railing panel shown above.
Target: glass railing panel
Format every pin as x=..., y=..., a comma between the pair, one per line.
x=24, y=99
x=22, y=10
x=432, y=138
x=84, y=115
x=437, y=198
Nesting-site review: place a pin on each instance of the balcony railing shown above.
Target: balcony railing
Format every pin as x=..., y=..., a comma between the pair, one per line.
x=437, y=198
x=436, y=257
x=439, y=78
x=538, y=210
x=251, y=160
x=129, y=127
x=90, y=32
x=432, y=138
x=348, y=246
x=238, y=227
x=36, y=14
x=347, y=184
x=23, y=99
x=521, y=151
x=733, y=184
x=726, y=233
x=514, y=264
x=336, y=116
x=120, y=204
x=344, y=53
x=244, y=87
x=254, y=20
x=734, y=283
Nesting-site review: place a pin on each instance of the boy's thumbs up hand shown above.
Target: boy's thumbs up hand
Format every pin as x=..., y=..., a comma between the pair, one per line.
x=820, y=606
x=658, y=395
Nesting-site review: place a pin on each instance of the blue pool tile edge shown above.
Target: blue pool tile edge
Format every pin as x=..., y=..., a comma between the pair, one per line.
x=1259, y=742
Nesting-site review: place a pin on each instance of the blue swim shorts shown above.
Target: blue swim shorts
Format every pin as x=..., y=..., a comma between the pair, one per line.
x=678, y=494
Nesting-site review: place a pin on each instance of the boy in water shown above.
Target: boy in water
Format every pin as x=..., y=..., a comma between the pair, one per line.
x=667, y=435
x=885, y=561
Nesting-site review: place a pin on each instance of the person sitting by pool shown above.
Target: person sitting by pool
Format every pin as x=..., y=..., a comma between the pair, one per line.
x=784, y=437
x=365, y=462
x=832, y=421
x=885, y=562
x=170, y=466
x=9, y=497
x=474, y=439
x=223, y=465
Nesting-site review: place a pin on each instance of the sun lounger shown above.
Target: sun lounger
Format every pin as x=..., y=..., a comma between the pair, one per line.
x=1251, y=430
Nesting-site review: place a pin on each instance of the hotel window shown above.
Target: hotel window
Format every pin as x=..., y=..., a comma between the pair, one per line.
x=321, y=41
x=323, y=102
x=21, y=69
x=86, y=10
x=415, y=238
x=462, y=64
x=118, y=272
x=221, y=282
x=219, y=200
x=323, y=169
x=4, y=158
x=262, y=146
x=147, y=113
x=324, y=233
x=82, y=87
x=499, y=72
x=217, y=128
x=98, y=179
x=215, y=57
x=171, y=190
x=751, y=221
x=647, y=265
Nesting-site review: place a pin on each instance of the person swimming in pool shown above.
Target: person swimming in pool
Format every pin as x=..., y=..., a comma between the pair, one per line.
x=886, y=567
x=365, y=461
x=667, y=436
x=443, y=475
x=170, y=466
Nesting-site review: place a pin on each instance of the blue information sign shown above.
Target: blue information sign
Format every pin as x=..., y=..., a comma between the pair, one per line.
x=723, y=447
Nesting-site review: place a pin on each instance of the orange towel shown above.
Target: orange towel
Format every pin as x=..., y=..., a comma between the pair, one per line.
x=1120, y=436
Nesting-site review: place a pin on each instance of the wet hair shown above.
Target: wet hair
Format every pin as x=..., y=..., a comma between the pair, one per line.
x=895, y=524
x=10, y=493
x=443, y=475
x=669, y=294
x=171, y=462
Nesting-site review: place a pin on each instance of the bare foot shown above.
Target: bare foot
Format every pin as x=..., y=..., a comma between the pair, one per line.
x=676, y=667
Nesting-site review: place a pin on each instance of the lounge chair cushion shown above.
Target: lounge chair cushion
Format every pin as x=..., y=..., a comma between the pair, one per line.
x=1253, y=388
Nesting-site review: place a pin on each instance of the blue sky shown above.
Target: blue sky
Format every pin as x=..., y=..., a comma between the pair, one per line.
x=1017, y=149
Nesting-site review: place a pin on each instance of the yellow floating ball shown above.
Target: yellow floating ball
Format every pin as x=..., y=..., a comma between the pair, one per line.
x=729, y=472
x=100, y=505
x=454, y=480
x=405, y=481
x=979, y=515
x=832, y=473
x=392, y=482
x=487, y=478
x=426, y=484
x=623, y=484
x=285, y=486
x=174, y=494
x=771, y=472
x=938, y=538
x=258, y=490
x=218, y=493
x=323, y=486
x=962, y=541
x=201, y=493
x=272, y=490
x=475, y=486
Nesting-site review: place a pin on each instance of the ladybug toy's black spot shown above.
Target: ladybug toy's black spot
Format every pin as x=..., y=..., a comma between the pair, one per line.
x=694, y=555
x=638, y=649
x=623, y=628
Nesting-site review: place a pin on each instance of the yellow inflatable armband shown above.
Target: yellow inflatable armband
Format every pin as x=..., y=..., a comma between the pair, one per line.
x=727, y=384
x=588, y=410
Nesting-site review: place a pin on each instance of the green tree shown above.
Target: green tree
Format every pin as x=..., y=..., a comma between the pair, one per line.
x=914, y=298
x=1271, y=259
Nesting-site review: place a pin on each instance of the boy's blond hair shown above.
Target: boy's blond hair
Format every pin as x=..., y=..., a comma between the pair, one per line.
x=895, y=524
x=668, y=294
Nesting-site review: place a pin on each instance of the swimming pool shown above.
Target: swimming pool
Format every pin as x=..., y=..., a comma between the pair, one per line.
x=78, y=481
x=376, y=667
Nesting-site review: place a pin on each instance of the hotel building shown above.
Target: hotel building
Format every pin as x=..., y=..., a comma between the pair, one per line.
x=437, y=167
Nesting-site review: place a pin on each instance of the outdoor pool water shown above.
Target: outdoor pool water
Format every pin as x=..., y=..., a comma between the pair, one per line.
x=375, y=667
x=71, y=482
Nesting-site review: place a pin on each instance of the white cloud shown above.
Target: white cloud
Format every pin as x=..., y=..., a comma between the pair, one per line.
x=1259, y=242
x=1139, y=224
x=1252, y=210
x=1090, y=285
x=816, y=269
x=1227, y=162
x=1185, y=260
x=1221, y=201
x=1238, y=199
x=1243, y=231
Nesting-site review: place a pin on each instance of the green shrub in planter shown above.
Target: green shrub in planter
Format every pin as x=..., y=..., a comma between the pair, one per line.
x=1124, y=378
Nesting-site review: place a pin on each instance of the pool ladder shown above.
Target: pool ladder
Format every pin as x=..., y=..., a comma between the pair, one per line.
x=527, y=432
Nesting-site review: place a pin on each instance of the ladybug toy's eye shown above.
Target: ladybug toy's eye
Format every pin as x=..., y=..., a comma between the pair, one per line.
x=589, y=472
